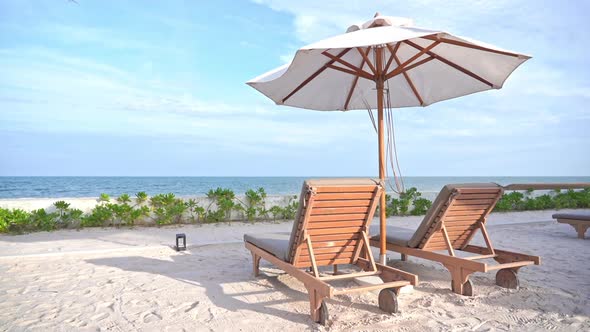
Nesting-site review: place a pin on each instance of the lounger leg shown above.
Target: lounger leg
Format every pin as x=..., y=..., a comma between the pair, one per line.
x=256, y=264
x=315, y=304
x=460, y=283
x=404, y=257
x=581, y=230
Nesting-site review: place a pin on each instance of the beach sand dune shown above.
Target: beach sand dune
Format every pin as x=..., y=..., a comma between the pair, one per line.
x=211, y=287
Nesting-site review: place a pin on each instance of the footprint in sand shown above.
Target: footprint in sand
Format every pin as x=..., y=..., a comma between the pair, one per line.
x=191, y=306
x=106, y=305
x=150, y=317
x=100, y=316
x=186, y=307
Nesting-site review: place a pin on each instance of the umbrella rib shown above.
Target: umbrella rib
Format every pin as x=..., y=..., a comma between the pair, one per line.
x=347, y=64
x=366, y=58
x=412, y=66
x=401, y=67
x=353, y=86
x=393, y=51
x=467, y=45
x=410, y=83
x=314, y=75
x=451, y=64
x=352, y=72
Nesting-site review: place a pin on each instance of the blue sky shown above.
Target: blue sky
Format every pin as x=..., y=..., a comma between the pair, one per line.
x=157, y=88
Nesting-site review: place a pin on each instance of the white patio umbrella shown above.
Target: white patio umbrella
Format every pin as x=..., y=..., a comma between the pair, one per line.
x=386, y=58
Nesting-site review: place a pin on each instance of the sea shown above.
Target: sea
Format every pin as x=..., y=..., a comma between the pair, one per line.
x=92, y=186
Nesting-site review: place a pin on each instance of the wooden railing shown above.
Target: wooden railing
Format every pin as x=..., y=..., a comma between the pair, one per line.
x=546, y=186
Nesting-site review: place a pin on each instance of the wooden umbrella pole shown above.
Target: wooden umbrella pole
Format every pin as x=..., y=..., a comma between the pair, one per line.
x=381, y=134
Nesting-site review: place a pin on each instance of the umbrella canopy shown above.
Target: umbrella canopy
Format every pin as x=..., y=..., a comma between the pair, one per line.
x=386, y=58
x=420, y=67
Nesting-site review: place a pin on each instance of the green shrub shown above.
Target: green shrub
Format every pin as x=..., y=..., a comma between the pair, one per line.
x=421, y=206
x=195, y=211
x=256, y=204
x=72, y=217
x=167, y=208
x=401, y=206
x=101, y=215
x=104, y=198
x=568, y=200
x=542, y=202
x=141, y=197
x=510, y=202
x=4, y=220
x=127, y=215
x=290, y=210
x=41, y=220
x=18, y=221
x=224, y=199
x=124, y=198
x=277, y=212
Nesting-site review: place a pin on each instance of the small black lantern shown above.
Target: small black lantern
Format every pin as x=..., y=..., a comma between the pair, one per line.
x=180, y=242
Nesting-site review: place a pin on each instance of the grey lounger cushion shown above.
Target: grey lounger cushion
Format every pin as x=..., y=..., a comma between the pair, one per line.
x=275, y=243
x=573, y=216
x=397, y=235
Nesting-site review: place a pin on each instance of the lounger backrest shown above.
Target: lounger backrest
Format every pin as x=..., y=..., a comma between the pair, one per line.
x=333, y=212
x=460, y=207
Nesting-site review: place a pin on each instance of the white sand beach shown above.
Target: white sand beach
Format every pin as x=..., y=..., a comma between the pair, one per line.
x=131, y=279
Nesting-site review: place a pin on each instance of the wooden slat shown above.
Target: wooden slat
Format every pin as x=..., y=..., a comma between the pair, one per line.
x=462, y=218
x=458, y=224
x=304, y=257
x=333, y=244
x=329, y=250
x=336, y=237
x=341, y=196
x=335, y=224
x=455, y=231
x=459, y=232
x=455, y=240
x=338, y=217
x=342, y=210
x=461, y=202
x=347, y=203
x=368, y=288
x=438, y=246
x=469, y=207
x=327, y=231
x=323, y=262
x=465, y=213
x=478, y=191
x=339, y=189
x=477, y=196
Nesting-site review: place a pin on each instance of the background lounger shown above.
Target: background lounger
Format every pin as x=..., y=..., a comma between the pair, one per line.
x=330, y=228
x=579, y=221
x=457, y=213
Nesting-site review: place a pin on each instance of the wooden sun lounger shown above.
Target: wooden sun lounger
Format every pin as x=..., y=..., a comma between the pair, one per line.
x=331, y=228
x=580, y=222
x=459, y=211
